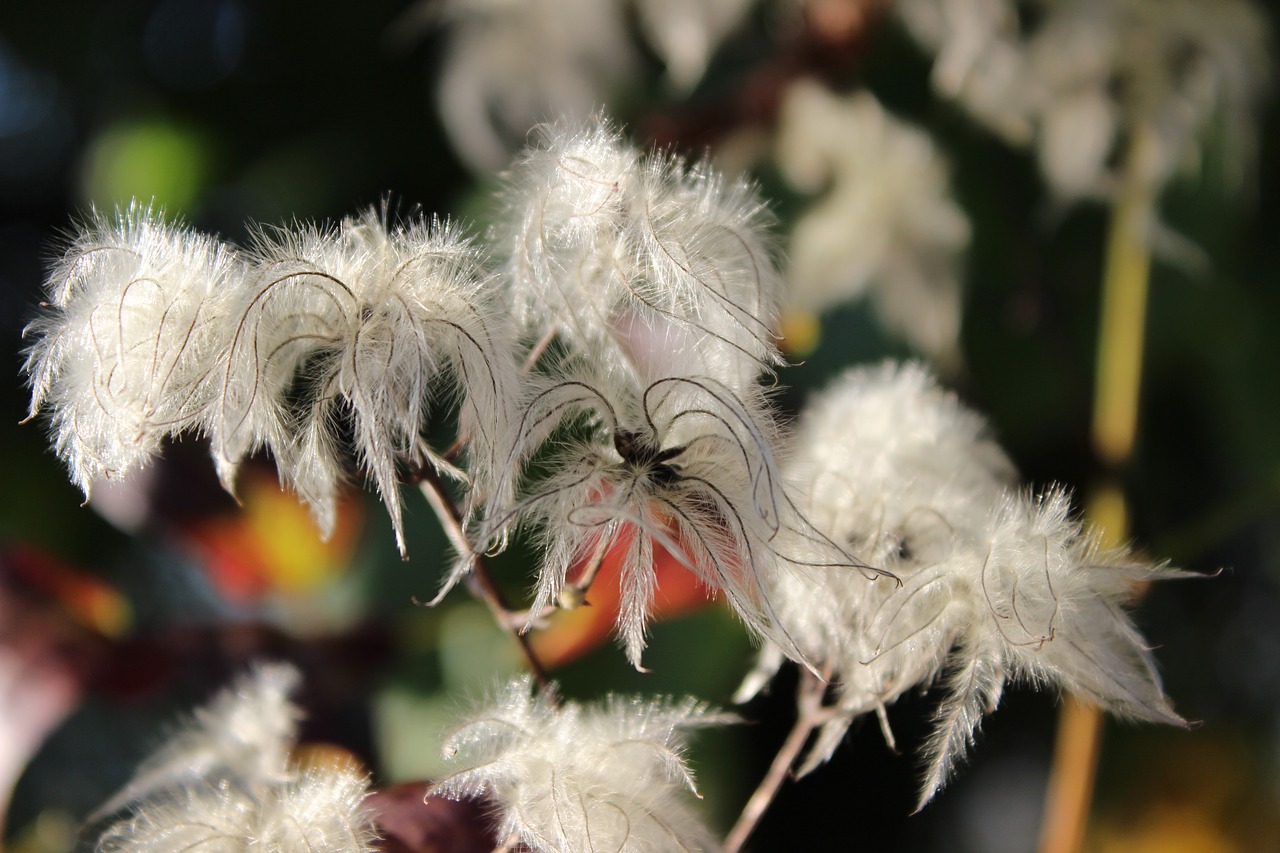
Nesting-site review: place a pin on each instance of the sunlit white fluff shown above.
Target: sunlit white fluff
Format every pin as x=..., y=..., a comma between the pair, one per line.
x=130, y=335
x=1043, y=606
x=683, y=465
x=885, y=221
x=893, y=467
x=320, y=810
x=609, y=778
x=613, y=250
x=1080, y=78
x=223, y=781
x=202, y=818
x=370, y=323
x=997, y=585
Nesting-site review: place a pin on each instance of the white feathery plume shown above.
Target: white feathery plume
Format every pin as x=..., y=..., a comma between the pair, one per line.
x=614, y=251
x=129, y=343
x=683, y=465
x=1042, y=605
x=244, y=734
x=363, y=320
x=886, y=221
x=996, y=585
x=509, y=64
x=890, y=465
x=224, y=782
x=582, y=779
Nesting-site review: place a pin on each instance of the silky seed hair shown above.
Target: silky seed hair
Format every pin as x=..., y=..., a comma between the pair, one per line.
x=613, y=251
x=997, y=584
x=370, y=324
x=682, y=465
x=124, y=352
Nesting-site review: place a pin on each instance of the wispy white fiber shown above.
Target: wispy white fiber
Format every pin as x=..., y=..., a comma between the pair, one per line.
x=223, y=781
x=998, y=585
x=370, y=323
x=895, y=468
x=582, y=778
x=124, y=352
x=200, y=818
x=318, y=811
x=615, y=251
x=885, y=221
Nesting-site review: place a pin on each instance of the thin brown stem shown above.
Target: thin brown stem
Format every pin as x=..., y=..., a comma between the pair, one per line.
x=480, y=581
x=574, y=595
x=812, y=713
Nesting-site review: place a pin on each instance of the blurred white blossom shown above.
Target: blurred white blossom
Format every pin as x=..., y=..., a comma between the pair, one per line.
x=223, y=782
x=686, y=33
x=582, y=779
x=125, y=352
x=997, y=585
x=979, y=58
x=510, y=65
x=885, y=221
x=1083, y=78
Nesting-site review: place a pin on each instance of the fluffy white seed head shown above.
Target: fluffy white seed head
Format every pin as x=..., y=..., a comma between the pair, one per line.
x=126, y=350
x=243, y=734
x=582, y=779
x=886, y=222
x=224, y=782
x=894, y=468
x=996, y=585
x=1042, y=603
x=683, y=465
x=640, y=261
x=197, y=817
x=370, y=323
x=319, y=811
x=1054, y=597
x=882, y=446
